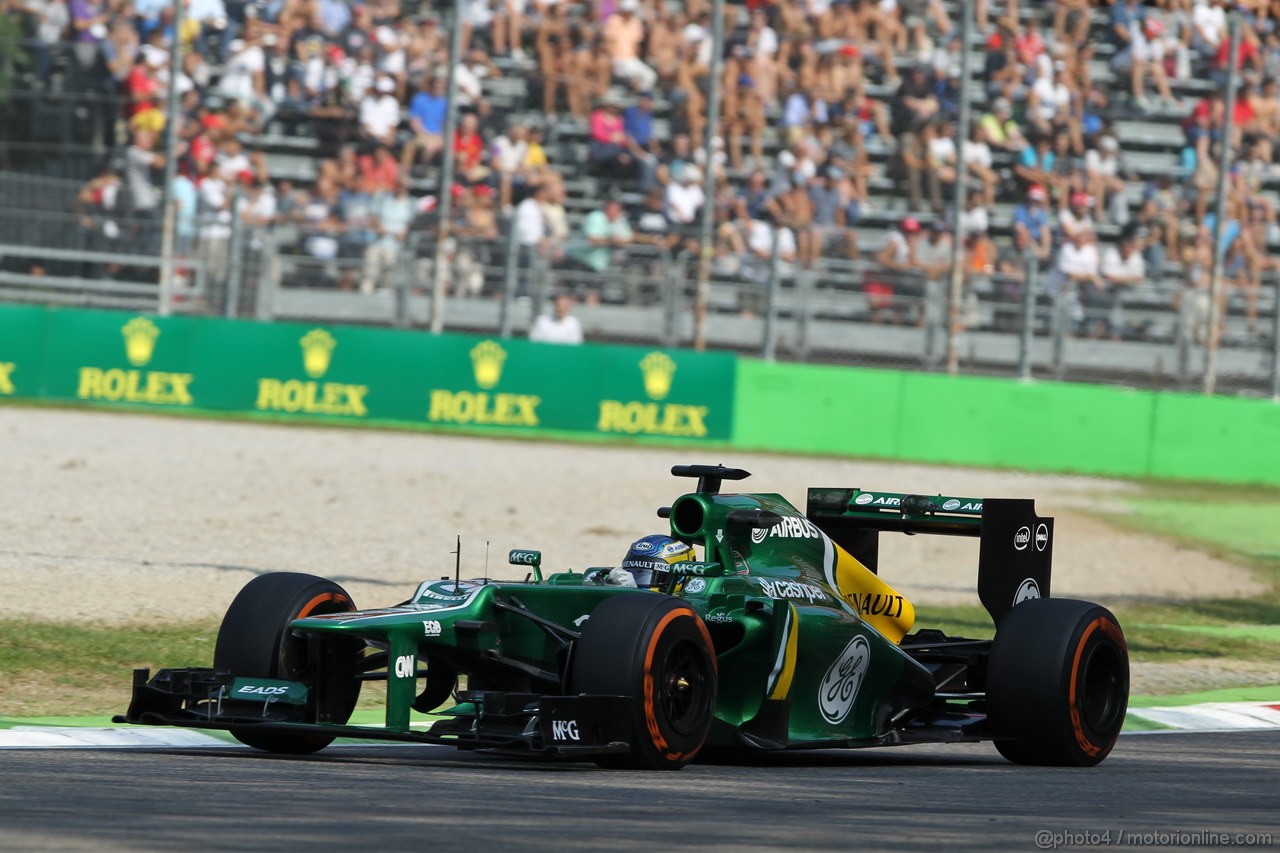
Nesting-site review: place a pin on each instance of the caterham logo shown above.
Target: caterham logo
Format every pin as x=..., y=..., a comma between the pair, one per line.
x=1027, y=590
x=839, y=688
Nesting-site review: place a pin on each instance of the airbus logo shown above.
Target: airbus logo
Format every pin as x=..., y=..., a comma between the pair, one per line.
x=791, y=527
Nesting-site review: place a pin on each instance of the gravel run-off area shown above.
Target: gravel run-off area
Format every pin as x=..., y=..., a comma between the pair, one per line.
x=118, y=518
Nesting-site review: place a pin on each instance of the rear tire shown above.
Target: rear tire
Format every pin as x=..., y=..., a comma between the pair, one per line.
x=655, y=649
x=1057, y=683
x=255, y=642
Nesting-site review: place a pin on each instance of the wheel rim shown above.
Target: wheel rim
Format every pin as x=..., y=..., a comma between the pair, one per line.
x=1101, y=686
x=685, y=693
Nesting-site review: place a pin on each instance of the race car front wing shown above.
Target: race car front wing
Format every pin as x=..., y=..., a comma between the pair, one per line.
x=204, y=698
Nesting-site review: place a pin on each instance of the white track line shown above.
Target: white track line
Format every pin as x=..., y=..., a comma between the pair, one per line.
x=1215, y=716
x=72, y=737
x=1209, y=717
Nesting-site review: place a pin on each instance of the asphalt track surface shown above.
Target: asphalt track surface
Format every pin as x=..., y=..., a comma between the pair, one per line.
x=424, y=797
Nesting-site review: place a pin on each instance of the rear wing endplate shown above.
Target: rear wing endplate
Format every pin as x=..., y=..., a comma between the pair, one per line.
x=1015, y=555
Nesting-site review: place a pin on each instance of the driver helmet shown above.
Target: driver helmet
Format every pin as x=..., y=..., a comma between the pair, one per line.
x=649, y=560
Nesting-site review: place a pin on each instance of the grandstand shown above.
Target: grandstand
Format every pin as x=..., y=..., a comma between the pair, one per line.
x=818, y=100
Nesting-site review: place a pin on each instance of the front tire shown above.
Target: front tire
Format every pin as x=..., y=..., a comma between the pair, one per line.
x=1057, y=683
x=655, y=649
x=255, y=642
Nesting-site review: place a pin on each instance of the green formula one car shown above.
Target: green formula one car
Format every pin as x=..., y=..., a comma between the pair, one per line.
x=783, y=636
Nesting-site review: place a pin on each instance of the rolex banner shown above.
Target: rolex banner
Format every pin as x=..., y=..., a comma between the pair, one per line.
x=361, y=374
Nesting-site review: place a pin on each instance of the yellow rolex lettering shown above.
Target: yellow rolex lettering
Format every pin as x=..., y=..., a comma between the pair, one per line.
x=268, y=394
x=132, y=393
x=652, y=419
x=313, y=398
x=90, y=383
x=135, y=386
x=6, y=377
x=471, y=407
x=524, y=409
x=180, y=388
x=355, y=400
x=686, y=420
x=439, y=410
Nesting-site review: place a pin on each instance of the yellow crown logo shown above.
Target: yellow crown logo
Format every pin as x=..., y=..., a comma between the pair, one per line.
x=658, y=370
x=139, y=340
x=486, y=360
x=317, y=350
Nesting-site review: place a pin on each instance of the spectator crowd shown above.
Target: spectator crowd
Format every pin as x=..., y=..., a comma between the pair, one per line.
x=838, y=119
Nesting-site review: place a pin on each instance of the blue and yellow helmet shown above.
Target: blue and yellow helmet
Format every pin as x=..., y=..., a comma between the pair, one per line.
x=649, y=560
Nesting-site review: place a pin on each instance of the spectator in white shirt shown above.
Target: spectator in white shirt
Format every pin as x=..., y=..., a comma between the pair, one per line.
x=1050, y=99
x=685, y=197
x=1078, y=259
x=380, y=113
x=1102, y=169
x=977, y=158
x=760, y=241
x=531, y=236
x=1078, y=265
x=1122, y=266
x=1076, y=216
x=1208, y=26
x=560, y=327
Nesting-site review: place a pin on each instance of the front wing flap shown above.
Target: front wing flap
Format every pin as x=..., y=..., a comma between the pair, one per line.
x=543, y=725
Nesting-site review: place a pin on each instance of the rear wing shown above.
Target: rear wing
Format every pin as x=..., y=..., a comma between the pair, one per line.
x=1015, y=555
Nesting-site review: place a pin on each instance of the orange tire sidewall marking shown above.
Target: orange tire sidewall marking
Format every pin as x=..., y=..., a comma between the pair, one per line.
x=1077, y=726
x=650, y=719
x=322, y=598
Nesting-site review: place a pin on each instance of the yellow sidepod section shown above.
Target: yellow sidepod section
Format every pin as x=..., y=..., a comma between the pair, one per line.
x=880, y=605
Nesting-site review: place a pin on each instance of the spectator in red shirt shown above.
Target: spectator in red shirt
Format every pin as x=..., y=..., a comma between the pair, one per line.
x=1248, y=55
x=379, y=171
x=140, y=85
x=470, y=149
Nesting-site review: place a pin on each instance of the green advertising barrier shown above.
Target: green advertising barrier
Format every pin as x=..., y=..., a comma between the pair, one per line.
x=364, y=375
x=360, y=374
x=1044, y=426
x=1216, y=438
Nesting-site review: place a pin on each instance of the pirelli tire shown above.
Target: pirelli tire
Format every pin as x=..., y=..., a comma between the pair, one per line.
x=255, y=641
x=655, y=649
x=1057, y=683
